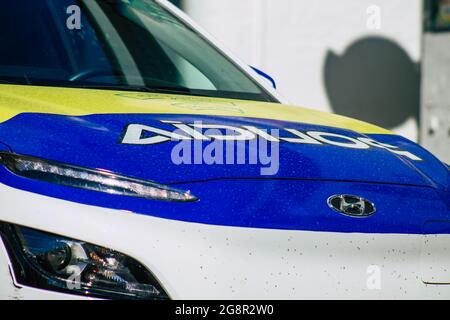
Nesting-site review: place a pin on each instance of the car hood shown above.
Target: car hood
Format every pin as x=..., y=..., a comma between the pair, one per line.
x=129, y=133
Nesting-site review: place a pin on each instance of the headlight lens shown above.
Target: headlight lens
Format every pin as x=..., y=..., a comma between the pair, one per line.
x=52, y=262
x=91, y=179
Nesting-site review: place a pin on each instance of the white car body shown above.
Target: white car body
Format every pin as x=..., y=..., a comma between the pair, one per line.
x=212, y=262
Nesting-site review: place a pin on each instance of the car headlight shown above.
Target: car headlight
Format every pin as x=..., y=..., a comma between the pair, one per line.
x=51, y=262
x=91, y=179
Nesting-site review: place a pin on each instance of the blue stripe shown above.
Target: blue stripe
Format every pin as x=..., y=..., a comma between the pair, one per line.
x=237, y=195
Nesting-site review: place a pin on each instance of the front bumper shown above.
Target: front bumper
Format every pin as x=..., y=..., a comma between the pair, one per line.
x=198, y=261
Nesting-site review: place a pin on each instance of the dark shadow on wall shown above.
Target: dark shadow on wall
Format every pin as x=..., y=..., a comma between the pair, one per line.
x=374, y=80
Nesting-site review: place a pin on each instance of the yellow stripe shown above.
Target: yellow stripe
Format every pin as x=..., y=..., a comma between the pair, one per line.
x=16, y=99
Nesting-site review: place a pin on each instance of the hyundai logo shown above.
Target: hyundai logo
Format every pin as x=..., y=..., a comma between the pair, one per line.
x=352, y=206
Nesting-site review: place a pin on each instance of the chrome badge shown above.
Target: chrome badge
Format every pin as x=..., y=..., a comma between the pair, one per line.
x=352, y=206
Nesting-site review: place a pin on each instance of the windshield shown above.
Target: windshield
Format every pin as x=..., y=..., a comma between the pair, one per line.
x=113, y=44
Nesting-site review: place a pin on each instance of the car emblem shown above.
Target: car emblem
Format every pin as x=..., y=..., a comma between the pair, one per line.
x=352, y=206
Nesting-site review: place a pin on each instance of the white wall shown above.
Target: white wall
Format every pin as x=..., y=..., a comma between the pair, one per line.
x=291, y=40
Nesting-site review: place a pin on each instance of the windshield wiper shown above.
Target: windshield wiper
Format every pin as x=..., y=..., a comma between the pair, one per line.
x=151, y=89
x=8, y=82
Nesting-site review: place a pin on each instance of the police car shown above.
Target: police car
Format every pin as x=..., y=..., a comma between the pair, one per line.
x=140, y=160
